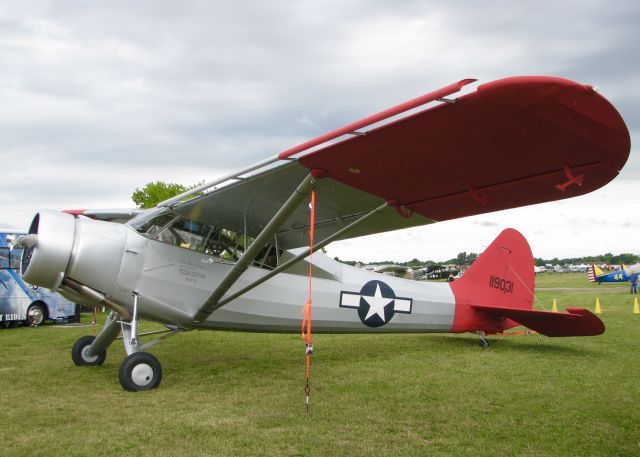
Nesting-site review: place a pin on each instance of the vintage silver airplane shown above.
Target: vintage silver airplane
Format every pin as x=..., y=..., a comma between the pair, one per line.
x=234, y=252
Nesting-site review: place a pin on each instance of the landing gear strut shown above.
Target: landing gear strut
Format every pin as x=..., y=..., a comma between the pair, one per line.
x=92, y=350
x=139, y=370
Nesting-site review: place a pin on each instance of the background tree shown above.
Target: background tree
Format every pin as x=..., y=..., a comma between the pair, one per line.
x=155, y=192
x=466, y=259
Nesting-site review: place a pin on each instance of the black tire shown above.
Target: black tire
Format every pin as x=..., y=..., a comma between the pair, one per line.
x=36, y=314
x=140, y=371
x=79, y=352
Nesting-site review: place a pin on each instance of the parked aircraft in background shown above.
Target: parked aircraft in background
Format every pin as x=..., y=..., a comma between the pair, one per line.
x=233, y=256
x=426, y=273
x=399, y=271
x=632, y=269
x=595, y=273
x=538, y=270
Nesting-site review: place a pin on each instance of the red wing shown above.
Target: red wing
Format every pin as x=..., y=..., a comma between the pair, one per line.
x=513, y=142
x=576, y=322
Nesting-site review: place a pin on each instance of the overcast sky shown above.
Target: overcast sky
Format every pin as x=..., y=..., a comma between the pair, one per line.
x=98, y=98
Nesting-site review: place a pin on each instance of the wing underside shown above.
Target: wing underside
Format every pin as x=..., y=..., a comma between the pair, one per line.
x=252, y=202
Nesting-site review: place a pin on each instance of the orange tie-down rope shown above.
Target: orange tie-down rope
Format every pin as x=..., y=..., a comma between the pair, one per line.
x=306, y=310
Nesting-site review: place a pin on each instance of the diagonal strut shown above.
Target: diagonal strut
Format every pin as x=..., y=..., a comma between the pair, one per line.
x=213, y=302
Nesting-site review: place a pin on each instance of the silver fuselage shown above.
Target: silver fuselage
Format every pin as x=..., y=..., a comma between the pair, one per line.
x=173, y=282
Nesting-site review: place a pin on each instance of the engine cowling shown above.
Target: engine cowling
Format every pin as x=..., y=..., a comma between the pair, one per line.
x=85, y=250
x=45, y=261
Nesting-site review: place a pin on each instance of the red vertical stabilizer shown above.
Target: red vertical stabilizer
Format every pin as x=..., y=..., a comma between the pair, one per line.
x=502, y=276
x=496, y=293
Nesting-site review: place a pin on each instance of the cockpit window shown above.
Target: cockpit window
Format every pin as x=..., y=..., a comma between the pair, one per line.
x=227, y=245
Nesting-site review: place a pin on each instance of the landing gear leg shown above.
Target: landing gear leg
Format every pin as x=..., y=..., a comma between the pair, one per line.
x=92, y=350
x=140, y=370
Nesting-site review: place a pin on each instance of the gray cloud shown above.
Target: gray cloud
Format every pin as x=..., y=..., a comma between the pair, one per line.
x=99, y=98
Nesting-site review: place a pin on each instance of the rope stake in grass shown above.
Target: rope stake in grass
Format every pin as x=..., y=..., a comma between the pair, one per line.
x=306, y=311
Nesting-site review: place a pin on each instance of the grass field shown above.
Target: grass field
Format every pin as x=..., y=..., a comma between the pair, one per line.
x=242, y=394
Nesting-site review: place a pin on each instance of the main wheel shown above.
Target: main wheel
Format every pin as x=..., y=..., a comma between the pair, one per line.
x=140, y=371
x=35, y=314
x=79, y=352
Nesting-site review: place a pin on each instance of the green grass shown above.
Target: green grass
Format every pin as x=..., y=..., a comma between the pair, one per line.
x=574, y=290
x=374, y=395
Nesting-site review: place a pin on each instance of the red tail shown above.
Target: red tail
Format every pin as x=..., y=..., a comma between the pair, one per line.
x=496, y=293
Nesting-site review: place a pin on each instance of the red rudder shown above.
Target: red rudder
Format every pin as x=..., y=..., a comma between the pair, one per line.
x=502, y=276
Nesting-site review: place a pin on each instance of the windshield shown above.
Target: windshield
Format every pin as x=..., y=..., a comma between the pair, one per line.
x=168, y=227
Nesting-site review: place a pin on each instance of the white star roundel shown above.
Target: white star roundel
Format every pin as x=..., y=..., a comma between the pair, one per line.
x=376, y=303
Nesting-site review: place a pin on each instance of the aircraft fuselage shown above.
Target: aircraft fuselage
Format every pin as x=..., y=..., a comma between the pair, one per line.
x=172, y=282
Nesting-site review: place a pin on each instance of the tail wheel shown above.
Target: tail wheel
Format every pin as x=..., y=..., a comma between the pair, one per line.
x=36, y=314
x=80, y=355
x=140, y=371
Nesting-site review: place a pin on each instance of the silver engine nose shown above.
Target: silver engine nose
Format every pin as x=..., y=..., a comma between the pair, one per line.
x=44, y=263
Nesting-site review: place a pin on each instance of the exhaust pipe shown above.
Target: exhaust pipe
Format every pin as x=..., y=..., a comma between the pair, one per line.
x=98, y=297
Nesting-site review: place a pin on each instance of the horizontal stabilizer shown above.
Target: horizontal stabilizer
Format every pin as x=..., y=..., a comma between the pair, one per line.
x=575, y=322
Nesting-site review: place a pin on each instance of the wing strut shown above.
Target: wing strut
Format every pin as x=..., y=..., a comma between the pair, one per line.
x=301, y=256
x=213, y=302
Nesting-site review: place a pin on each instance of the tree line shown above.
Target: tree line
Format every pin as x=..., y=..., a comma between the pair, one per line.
x=464, y=259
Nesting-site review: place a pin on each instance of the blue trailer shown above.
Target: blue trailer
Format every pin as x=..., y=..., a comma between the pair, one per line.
x=21, y=302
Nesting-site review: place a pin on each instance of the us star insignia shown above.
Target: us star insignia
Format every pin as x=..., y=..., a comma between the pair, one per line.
x=376, y=303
